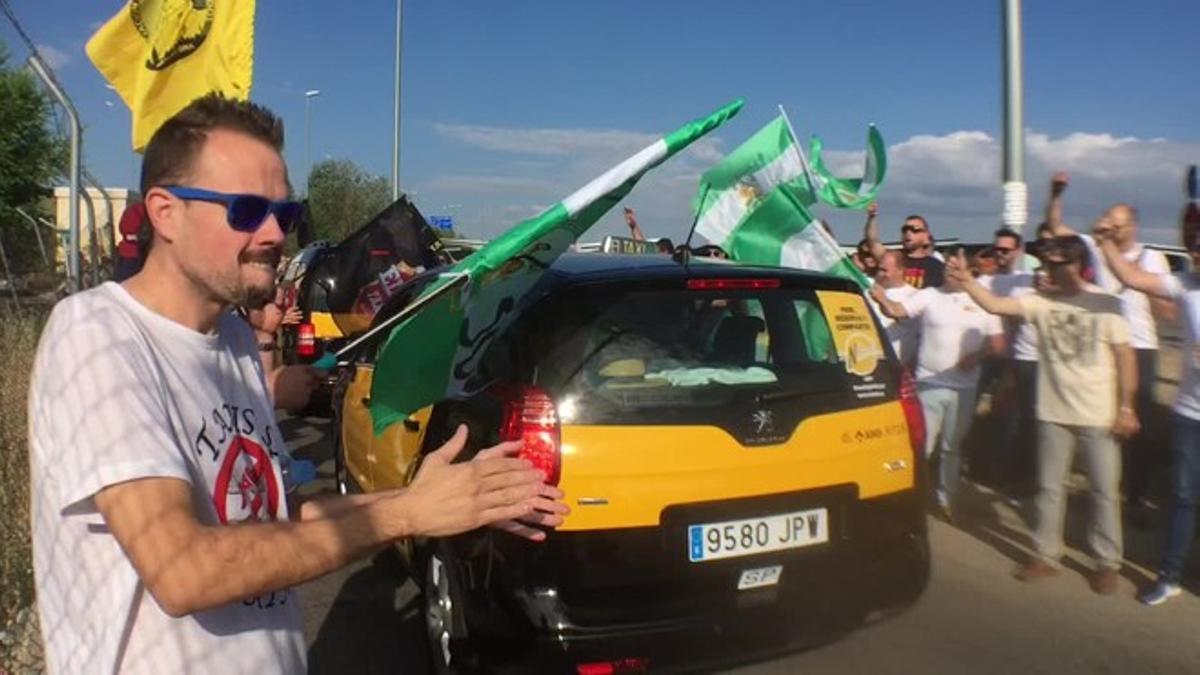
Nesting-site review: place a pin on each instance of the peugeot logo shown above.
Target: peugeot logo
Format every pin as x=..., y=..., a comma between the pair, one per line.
x=764, y=422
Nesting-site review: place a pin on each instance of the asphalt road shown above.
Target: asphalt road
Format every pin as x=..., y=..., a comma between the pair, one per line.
x=973, y=618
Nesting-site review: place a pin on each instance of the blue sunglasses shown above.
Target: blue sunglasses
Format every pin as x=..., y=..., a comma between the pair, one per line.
x=245, y=213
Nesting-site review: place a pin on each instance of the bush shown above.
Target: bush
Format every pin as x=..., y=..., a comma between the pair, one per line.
x=19, y=331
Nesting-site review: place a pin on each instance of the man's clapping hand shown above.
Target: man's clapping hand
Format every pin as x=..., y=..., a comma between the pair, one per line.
x=494, y=488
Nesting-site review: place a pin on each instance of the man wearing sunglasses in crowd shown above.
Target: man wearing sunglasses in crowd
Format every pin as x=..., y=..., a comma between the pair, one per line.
x=923, y=267
x=164, y=539
x=1142, y=451
x=1087, y=377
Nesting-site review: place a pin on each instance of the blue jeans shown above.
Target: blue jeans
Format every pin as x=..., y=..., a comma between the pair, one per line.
x=1185, y=490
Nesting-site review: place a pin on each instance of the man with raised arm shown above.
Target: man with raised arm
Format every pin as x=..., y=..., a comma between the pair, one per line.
x=1184, y=290
x=1086, y=381
x=922, y=266
x=1141, y=311
x=955, y=336
x=163, y=537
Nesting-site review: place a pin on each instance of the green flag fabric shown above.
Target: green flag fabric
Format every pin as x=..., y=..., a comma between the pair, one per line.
x=754, y=204
x=770, y=158
x=850, y=193
x=433, y=354
x=780, y=231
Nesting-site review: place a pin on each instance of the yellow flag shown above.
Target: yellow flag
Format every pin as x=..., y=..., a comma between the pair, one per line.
x=160, y=55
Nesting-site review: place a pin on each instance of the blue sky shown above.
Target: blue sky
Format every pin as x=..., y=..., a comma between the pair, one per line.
x=508, y=107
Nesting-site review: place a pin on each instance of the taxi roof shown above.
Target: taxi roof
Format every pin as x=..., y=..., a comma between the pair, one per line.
x=588, y=267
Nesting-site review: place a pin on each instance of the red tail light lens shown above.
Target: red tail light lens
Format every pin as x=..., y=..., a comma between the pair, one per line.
x=731, y=284
x=620, y=667
x=306, y=340
x=530, y=417
x=913, y=414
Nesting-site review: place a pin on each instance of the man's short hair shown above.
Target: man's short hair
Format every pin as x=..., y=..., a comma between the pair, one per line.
x=1070, y=248
x=172, y=151
x=1010, y=233
x=1044, y=228
x=917, y=217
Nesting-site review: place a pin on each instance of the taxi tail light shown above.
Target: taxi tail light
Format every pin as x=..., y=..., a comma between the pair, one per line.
x=914, y=416
x=618, y=667
x=306, y=340
x=732, y=284
x=531, y=417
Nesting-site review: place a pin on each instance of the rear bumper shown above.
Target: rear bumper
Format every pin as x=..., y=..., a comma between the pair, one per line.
x=881, y=564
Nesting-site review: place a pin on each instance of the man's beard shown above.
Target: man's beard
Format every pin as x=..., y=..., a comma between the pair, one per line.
x=235, y=292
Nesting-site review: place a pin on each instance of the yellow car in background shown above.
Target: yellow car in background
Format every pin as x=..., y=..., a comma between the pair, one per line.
x=738, y=445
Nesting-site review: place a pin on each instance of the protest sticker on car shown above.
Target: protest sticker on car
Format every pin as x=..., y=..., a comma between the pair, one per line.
x=854, y=335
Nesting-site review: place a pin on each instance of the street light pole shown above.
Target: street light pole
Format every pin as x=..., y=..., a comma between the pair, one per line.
x=308, y=97
x=1016, y=194
x=396, y=116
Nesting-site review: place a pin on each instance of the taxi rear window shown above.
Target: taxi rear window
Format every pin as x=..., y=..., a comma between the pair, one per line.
x=622, y=352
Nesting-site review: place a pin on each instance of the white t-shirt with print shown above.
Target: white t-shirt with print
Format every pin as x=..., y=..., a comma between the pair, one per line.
x=1185, y=288
x=1135, y=305
x=1024, y=344
x=121, y=393
x=951, y=325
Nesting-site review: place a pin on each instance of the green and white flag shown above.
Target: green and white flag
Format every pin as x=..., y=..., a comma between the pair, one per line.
x=780, y=231
x=754, y=205
x=729, y=190
x=434, y=353
x=850, y=193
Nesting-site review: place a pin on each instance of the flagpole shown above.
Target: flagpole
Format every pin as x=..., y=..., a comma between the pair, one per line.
x=696, y=220
x=803, y=160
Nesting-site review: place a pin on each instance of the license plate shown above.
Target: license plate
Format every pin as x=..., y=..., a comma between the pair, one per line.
x=735, y=538
x=759, y=577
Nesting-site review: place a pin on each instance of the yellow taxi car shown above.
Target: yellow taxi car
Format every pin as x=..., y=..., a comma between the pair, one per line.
x=739, y=448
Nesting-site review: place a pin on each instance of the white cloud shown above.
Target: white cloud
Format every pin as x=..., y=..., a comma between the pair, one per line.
x=54, y=57
x=954, y=179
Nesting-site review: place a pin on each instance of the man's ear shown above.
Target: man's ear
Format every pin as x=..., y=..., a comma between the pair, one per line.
x=165, y=213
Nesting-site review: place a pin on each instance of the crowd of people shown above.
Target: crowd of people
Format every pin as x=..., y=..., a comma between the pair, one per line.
x=1068, y=351
x=151, y=411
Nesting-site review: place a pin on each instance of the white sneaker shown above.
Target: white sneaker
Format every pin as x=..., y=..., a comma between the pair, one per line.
x=1161, y=592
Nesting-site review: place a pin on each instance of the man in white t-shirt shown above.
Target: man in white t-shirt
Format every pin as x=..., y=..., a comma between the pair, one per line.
x=162, y=534
x=901, y=333
x=1141, y=451
x=1016, y=445
x=955, y=336
x=1184, y=290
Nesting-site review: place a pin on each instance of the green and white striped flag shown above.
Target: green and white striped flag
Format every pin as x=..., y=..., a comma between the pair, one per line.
x=729, y=190
x=780, y=231
x=754, y=204
x=850, y=193
x=434, y=353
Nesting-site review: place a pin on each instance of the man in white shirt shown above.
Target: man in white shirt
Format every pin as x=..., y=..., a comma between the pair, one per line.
x=902, y=333
x=162, y=534
x=1184, y=290
x=1016, y=445
x=955, y=336
x=1140, y=451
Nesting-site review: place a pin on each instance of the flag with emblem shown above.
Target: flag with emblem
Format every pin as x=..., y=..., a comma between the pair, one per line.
x=475, y=301
x=729, y=190
x=780, y=231
x=850, y=193
x=754, y=205
x=160, y=55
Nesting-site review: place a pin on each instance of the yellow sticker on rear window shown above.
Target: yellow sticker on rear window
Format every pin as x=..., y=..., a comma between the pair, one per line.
x=853, y=330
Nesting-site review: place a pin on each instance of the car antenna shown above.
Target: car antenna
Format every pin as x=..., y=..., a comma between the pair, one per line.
x=684, y=255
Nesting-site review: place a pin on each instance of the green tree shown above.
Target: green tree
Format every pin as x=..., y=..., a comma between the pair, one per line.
x=342, y=197
x=31, y=155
